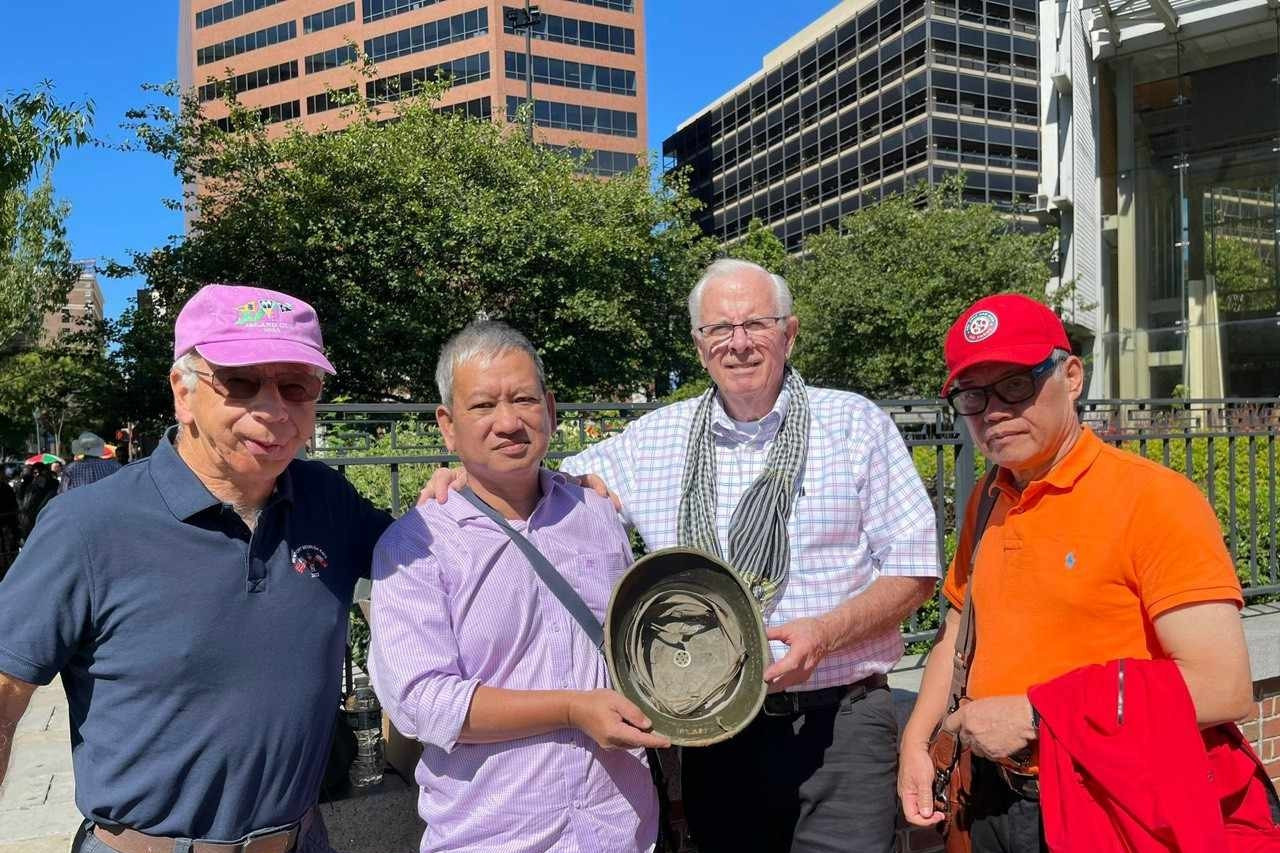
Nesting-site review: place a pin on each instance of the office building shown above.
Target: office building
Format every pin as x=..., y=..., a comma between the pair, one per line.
x=871, y=98
x=83, y=305
x=1161, y=151
x=289, y=58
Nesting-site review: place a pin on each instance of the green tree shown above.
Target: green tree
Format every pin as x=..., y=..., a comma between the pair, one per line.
x=400, y=232
x=1243, y=280
x=66, y=387
x=760, y=246
x=35, y=258
x=875, y=299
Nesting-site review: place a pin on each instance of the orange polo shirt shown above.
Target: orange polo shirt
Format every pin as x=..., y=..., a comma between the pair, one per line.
x=1072, y=570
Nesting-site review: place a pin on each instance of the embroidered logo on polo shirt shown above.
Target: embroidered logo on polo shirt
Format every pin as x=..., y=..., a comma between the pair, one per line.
x=980, y=326
x=1070, y=561
x=309, y=559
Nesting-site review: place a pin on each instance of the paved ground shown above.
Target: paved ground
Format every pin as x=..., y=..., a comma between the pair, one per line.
x=37, y=801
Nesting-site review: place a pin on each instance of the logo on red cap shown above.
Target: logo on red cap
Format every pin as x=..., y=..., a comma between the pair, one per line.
x=981, y=325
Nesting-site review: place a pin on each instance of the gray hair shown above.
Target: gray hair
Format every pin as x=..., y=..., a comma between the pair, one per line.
x=483, y=339
x=1059, y=356
x=733, y=268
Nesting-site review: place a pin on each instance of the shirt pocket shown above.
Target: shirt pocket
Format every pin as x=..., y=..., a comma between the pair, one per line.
x=594, y=575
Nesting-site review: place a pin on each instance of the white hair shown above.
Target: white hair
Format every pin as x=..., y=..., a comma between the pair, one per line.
x=186, y=366
x=483, y=339
x=735, y=268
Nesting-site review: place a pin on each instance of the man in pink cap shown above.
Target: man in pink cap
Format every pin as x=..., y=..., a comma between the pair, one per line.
x=1088, y=555
x=195, y=602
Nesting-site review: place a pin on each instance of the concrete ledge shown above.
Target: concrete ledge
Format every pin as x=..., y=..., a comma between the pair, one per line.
x=1262, y=634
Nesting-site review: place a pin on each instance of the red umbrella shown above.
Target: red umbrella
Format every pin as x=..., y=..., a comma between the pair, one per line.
x=46, y=458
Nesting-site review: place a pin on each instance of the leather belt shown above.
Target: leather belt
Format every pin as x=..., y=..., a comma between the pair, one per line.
x=790, y=703
x=125, y=840
x=1025, y=785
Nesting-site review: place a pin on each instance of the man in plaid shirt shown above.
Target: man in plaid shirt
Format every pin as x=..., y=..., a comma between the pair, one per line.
x=855, y=554
x=93, y=467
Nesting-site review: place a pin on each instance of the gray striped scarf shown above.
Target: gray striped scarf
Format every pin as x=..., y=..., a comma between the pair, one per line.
x=758, y=547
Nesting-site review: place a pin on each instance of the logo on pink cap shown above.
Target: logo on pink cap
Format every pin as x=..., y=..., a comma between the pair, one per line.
x=235, y=325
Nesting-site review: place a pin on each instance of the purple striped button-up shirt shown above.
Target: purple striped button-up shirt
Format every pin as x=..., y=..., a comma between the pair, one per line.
x=455, y=606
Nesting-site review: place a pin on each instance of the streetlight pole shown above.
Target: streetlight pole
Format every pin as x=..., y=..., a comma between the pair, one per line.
x=526, y=19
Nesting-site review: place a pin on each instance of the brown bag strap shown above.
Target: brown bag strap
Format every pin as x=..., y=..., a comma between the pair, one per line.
x=966, y=637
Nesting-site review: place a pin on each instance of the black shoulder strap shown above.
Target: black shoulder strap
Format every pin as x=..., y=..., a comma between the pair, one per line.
x=552, y=578
x=966, y=636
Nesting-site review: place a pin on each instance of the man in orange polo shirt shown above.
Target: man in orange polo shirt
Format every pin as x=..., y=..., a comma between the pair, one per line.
x=1090, y=554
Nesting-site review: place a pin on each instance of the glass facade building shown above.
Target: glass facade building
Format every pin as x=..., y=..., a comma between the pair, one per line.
x=299, y=61
x=1162, y=150
x=874, y=97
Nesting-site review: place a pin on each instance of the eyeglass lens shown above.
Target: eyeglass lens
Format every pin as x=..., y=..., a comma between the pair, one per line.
x=245, y=385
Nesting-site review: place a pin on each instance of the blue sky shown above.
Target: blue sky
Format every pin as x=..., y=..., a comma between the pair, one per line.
x=104, y=51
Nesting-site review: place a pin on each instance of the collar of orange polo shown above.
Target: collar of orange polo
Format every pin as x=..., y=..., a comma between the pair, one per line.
x=1064, y=474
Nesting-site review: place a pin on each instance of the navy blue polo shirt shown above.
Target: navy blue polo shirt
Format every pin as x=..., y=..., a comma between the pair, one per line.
x=202, y=662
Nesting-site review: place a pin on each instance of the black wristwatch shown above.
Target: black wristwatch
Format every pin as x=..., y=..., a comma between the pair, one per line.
x=1035, y=720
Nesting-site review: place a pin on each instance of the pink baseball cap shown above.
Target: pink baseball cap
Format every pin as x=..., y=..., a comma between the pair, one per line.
x=235, y=325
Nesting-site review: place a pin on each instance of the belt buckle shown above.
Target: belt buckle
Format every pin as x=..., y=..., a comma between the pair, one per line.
x=787, y=699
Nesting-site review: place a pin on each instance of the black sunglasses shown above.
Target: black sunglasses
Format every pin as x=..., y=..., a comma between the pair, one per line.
x=1015, y=388
x=244, y=383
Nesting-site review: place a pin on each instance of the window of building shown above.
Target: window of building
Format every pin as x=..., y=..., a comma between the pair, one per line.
x=334, y=17
x=581, y=33
x=481, y=108
x=244, y=44
x=427, y=36
x=574, y=75
x=458, y=72
x=376, y=10
x=330, y=100
x=616, y=5
x=602, y=163
x=577, y=117
x=251, y=80
x=327, y=59
x=287, y=111
x=229, y=10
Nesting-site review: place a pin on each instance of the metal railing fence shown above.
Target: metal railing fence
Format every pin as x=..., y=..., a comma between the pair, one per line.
x=1226, y=446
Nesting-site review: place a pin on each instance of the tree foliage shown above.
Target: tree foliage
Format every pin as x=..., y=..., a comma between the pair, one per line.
x=35, y=258
x=760, y=246
x=400, y=232
x=875, y=299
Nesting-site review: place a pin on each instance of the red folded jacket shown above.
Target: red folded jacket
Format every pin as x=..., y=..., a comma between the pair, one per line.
x=1124, y=767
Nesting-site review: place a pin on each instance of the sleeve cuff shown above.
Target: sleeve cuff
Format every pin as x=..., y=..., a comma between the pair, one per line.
x=1204, y=595
x=16, y=666
x=443, y=712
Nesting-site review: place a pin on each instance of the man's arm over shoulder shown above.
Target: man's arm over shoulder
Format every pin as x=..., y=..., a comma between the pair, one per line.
x=414, y=659
x=47, y=597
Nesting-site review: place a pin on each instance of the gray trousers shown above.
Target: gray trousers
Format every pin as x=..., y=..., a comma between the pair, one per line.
x=815, y=782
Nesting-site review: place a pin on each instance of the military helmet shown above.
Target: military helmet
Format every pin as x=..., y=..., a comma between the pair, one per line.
x=685, y=641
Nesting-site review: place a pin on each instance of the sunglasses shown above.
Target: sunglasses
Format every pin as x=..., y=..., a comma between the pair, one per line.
x=1015, y=388
x=244, y=383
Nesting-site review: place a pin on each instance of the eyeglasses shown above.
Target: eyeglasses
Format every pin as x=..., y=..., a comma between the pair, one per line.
x=1016, y=388
x=244, y=383
x=755, y=327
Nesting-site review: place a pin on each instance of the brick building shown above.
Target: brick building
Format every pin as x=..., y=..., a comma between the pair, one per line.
x=289, y=57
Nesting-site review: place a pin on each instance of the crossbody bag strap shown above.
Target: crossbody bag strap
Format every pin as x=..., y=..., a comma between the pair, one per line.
x=549, y=575
x=966, y=636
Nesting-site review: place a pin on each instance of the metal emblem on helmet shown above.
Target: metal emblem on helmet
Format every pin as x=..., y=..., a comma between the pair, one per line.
x=980, y=326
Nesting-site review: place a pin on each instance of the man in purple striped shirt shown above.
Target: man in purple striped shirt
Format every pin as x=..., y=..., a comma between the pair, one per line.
x=526, y=748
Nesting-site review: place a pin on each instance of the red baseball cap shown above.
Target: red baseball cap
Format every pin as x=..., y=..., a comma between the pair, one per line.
x=1007, y=327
